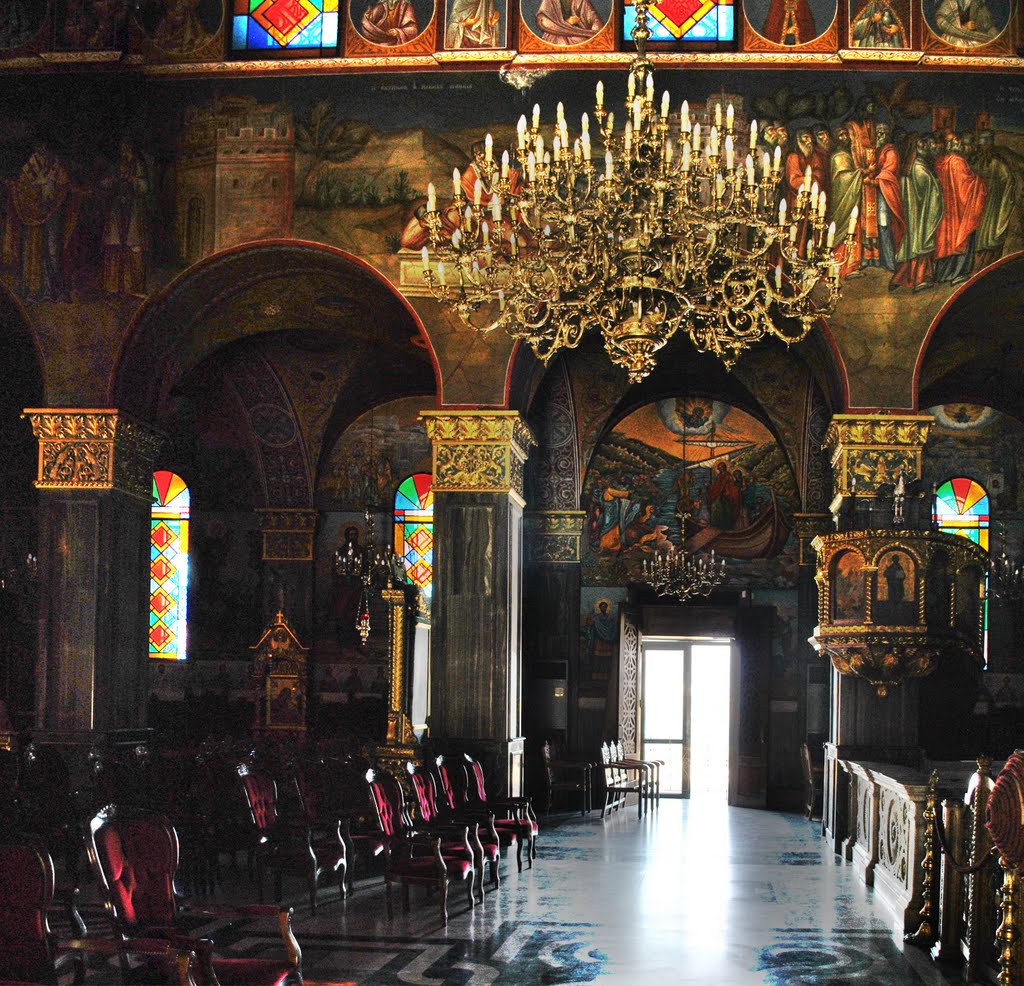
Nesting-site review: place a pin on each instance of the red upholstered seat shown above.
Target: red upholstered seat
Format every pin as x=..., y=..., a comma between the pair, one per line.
x=135, y=857
x=282, y=845
x=412, y=858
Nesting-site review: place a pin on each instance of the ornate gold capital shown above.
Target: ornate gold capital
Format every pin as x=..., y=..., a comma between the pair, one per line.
x=287, y=533
x=478, y=451
x=807, y=527
x=871, y=449
x=554, y=536
x=93, y=449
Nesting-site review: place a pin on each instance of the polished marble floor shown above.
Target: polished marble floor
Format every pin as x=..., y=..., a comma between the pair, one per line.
x=688, y=894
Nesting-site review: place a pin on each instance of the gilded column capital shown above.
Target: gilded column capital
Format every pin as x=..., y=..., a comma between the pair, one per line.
x=807, y=527
x=868, y=450
x=287, y=533
x=478, y=451
x=554, y=537
x=93, y=449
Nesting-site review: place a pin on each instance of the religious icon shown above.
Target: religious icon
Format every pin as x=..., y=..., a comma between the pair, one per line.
x=565, y=23
x=895, y=590
x=790, y=23
x=848, y=600
x=966, y=23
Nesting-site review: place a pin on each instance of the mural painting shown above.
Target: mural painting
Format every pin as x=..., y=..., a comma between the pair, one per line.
x=876, y=467
x=935, y=173
x=880, y=24
x=390, y=25
x=790, y=23
x=20, y=22
x=966, y=23
x=181, y=27
x=690, y=472
x=564, y=23
x=475, y=24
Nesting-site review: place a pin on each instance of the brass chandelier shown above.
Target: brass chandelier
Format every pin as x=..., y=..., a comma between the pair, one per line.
x=641, y=230
x=682, y=575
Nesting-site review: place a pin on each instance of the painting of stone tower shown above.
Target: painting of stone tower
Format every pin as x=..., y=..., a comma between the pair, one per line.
x=235, y=175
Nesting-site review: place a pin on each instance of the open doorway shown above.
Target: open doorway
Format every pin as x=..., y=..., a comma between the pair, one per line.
x=684, y=715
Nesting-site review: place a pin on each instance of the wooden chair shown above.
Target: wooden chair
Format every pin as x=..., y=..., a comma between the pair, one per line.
x=281, y=844
x=428, y=861
x=620, y=780
x=331, y=796
x=135, y=856
x=650, y=771
x=812, y=762
x=561, y=774
x=518, y=812
x=31, y=954
x=432, y=820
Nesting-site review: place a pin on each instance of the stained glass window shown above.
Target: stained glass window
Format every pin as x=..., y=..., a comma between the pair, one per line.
x=414, y=532
x=308, y=26
x=168, y=567
x=961, y=507
x=685, y=20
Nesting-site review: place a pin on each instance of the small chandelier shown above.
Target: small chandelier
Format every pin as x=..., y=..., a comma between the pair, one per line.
x=641, y=231
x=1006, y=578
x=375, y=566
x=676, y=573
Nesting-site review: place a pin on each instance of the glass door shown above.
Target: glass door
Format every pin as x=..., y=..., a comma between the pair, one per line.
x=685, y=715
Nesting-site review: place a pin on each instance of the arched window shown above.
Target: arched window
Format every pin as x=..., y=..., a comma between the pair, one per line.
x=414, y=532
x=168, y=567
x=961, y=507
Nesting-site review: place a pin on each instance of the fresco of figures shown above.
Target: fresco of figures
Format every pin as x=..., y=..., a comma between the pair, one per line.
x=687, y=472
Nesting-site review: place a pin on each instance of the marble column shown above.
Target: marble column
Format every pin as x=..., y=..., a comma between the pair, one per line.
x=476, y=655
x=551, y=624
x=95, y=481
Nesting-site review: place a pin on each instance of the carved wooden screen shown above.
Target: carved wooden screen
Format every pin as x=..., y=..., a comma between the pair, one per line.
x=629, y=680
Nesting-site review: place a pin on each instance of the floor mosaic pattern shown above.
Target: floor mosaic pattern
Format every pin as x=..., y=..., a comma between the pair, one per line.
x=689, y=894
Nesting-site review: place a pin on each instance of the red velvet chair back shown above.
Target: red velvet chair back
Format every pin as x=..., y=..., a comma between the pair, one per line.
x=388, y=801
x=26, y=890
x=451, y=782
x=135, y=856
x=423, y=788
x=477, y=791
x=261, y=793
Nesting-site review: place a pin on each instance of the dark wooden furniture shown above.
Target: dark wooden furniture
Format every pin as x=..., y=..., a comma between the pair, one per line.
x=428, y=861
x=135, y=856
x=564, y=774
x=518, y=812
x=621, y=779
x=430, y=819
x=812, y=763
x=281, y=843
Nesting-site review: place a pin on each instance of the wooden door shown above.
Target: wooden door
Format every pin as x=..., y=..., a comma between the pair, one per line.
x=750, y=688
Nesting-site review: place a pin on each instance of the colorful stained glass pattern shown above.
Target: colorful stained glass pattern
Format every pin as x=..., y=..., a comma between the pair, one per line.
x=961, y=507
x=277, y=25
x=685, y=20
x=168, y=567
x=414, y=531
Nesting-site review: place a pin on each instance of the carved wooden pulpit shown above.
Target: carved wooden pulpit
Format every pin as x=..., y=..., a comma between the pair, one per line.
x=281, y=663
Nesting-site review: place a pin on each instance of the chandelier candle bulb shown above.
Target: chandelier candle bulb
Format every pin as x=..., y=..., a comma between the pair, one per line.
x=521, y=133
x=686, y=157
x=777, y=163
x=696, y=137
x=664, y=105
x=807, y=179
x=713, y=148
x=782, y=213
x=821, y=207
x=766, y=165
x=585, y=126
x=440, y=272
x=728, y=154
x=638, y=108
x=608, y=166
x=586, y=147
x=631, y=87
x=778, y=277
x=488, y=148
x=650, y=89
x=599, y=95
x=486, y=231
x=753, y=135
x=496, y=209
x=750, y=171
x=854, y=216
x=478, y=191
x=558, y=148
x=831, y=238
x=627, y=139
x=456, y=239
x=536, y=116
x=425, y=254
x=684, y=118
x=729, y=116
x=504, y=164
x=457, y=183
x=718, y=116
x=431, y=198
